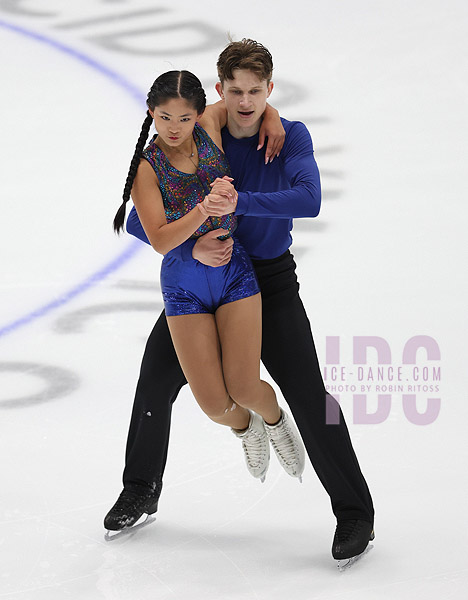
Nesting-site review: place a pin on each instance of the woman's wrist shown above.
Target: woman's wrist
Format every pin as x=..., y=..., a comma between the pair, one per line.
x=202, y=209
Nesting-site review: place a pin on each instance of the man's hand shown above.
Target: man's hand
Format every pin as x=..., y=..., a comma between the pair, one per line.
x=213, y=252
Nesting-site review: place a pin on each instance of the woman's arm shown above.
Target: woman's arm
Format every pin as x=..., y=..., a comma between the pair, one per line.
x=271, y=128
x=148, y=202
x=215, y=118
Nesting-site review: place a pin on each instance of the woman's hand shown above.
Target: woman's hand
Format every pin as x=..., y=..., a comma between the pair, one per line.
x=273, y=129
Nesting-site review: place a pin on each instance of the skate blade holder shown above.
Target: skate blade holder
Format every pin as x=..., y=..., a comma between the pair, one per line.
x=143, y=521
x=346, y=563
x=263, y=477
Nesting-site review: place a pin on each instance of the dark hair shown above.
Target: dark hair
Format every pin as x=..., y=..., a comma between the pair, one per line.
x=246, y=54
x=173, y=84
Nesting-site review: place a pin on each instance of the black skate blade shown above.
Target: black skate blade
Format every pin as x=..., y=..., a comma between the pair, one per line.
x=347, y=563
x=143, y=521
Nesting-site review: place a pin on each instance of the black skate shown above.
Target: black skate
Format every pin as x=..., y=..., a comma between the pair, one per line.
x=127, y=512
x=351, y=541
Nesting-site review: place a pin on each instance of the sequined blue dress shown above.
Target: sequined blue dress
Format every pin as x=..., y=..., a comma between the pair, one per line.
x=190, y=287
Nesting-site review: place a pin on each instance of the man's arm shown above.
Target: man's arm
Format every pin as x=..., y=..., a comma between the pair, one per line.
x=300, y=168
x=134, y=227
x=209, y=249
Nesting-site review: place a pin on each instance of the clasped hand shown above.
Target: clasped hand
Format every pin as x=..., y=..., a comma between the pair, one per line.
x=222, y=200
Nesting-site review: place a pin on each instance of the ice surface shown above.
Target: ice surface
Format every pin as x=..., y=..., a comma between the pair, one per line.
x=382, y=87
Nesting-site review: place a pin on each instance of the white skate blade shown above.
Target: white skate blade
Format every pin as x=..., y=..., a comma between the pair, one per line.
x=142, y=522
x=347, y=563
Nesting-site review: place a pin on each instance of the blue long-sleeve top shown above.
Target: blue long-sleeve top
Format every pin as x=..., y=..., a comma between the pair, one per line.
x=285, y=189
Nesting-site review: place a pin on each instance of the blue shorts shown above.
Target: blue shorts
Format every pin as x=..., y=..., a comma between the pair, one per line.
x=190, y=288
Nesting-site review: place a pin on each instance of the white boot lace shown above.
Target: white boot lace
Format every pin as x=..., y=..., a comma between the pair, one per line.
x=254, y=447
x=284, y=443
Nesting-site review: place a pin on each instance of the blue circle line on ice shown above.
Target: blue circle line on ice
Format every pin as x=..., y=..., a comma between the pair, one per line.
x=134, y=246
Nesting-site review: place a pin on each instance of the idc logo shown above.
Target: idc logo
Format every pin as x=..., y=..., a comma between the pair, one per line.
x=415, y=379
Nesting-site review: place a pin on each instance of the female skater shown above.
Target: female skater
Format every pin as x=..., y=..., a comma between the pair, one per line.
x=214, y=314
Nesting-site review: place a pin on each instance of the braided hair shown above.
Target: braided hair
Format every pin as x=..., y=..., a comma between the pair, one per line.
x=173, y=84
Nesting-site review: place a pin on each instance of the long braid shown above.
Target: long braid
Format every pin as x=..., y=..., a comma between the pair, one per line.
x=120, y=215
x=173, y=84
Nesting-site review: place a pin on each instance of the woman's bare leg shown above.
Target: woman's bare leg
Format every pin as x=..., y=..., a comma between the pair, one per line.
x=196, y=342
x=239, y=327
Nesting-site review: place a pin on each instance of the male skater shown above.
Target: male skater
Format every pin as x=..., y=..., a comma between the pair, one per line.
x=287, y=188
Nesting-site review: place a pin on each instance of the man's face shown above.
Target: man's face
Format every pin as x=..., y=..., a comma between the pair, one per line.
x=245, y=97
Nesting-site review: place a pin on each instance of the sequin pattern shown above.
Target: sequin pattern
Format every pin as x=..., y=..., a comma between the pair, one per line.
x=181, y=192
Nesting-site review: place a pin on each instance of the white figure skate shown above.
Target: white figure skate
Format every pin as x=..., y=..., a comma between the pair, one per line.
x=287, y=445
x=256, y=447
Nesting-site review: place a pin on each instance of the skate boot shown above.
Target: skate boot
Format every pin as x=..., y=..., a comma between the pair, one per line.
x=351, y=541
x=287, y=445
x=129, y=509
x=255, y=446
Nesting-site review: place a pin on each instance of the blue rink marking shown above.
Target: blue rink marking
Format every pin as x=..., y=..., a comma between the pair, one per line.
x=133, y=247
x=78, y=55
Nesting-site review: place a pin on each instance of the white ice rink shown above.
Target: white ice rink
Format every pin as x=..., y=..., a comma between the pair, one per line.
x=382, y=86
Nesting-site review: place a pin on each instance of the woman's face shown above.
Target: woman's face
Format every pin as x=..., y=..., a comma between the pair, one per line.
x=174, y=121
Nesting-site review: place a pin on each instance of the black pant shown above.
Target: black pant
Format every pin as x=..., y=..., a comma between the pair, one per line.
x=288, y=353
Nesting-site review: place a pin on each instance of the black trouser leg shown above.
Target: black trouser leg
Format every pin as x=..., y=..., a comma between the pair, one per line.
x=288, y=352
x=159, y=383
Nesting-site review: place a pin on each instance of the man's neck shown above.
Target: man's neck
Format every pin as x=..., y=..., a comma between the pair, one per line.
x=241, y=132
